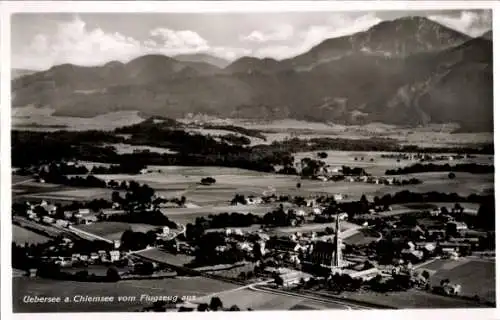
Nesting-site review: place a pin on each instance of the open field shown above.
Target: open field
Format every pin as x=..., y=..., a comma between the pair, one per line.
x=26, y=116
x=379, y=164
x=22, y=236
x=310, y=227
x=113, y=230
x=122, y=148
x=266, y=301
x=363, y=236
x=187, y=215
x=412, y=299
x=477, y=277
x=194, y=286
x=81, y=194
x=52, y=231
x=166, y=257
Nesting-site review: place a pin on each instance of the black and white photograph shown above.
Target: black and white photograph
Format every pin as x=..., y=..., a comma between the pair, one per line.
x=251, y=161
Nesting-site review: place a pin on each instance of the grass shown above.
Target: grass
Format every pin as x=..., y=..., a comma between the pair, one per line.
x=21, y=236
x=162, y=256
x=265, y=301
x=195, y=286
x=81, y=194
x=412, y=299
x=113, y=230
x=363, y=236
x=475, y=276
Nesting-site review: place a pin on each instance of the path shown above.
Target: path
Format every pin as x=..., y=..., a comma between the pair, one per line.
x=21, y=182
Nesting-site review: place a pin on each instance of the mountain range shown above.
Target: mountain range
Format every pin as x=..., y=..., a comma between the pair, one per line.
x=409, y=71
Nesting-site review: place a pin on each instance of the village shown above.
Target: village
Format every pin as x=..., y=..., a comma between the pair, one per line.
x=376, y=245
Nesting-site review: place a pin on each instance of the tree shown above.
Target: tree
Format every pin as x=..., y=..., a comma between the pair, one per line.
x=115, y=197
x=298, y=185
x=234, y=308
x=208, y=181
x=278, y=280
x=451, y=175
x=112, y=274
x=216, y=304
x=426, y=274
x=322, y=155
x=203, y=307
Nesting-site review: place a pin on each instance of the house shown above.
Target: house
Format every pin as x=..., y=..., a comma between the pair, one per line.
x=84, y=257
x=116, y=244
x=221, y=248
x=68, y=214
x=48, y=219
x=114, y=255
x=75, y=257
x=456, y=226
x=253, y=200
x=300, y=213
x=286, y=245
x=338, y=197
x=293, y=278
x=245, y=246
x=317, y=211
x=165, y=230
x=62, y=223
x=87, y=219
x=238, y=232
x=33, y=272
x=311, y=202
x=64, y=261
x=83, y=212
x=343, y=216
x=94, y=256
x=50, y=208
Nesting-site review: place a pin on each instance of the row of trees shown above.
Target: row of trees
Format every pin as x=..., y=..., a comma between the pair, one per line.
x=431, y=167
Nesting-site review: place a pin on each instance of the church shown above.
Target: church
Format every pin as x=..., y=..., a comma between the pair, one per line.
x=326, y=254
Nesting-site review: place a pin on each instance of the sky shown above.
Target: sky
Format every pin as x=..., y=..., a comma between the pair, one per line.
x=41, y=40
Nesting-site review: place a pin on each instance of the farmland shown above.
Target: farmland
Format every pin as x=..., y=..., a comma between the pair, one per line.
x=265, y=301
x=159, y=255
x=113, y=230
x=21, y=236
x=412, y=299
x=363, y=236
x=196, y=286
x=476, y=277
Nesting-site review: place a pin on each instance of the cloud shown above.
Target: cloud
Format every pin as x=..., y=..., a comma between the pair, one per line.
x=184, y=39
x=337, y=25
x=472, y=23
x=73, y=42
x=280, y=33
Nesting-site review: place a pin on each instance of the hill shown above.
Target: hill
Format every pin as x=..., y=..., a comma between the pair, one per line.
x=17, y=73
x=409, y=71
x=202, y=57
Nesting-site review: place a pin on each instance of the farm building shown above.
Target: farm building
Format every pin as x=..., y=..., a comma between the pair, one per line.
x=456, y=226
x=114, y=255
x=48, y=219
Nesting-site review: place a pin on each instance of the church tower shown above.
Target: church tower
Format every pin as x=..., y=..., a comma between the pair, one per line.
x=337, y=255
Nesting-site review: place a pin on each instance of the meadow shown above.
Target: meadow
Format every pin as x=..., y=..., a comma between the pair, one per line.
x=412, y=299
x=21, y=236
x=113, y=230
x=266, y=301
x=192, y=286
x=477, y=277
